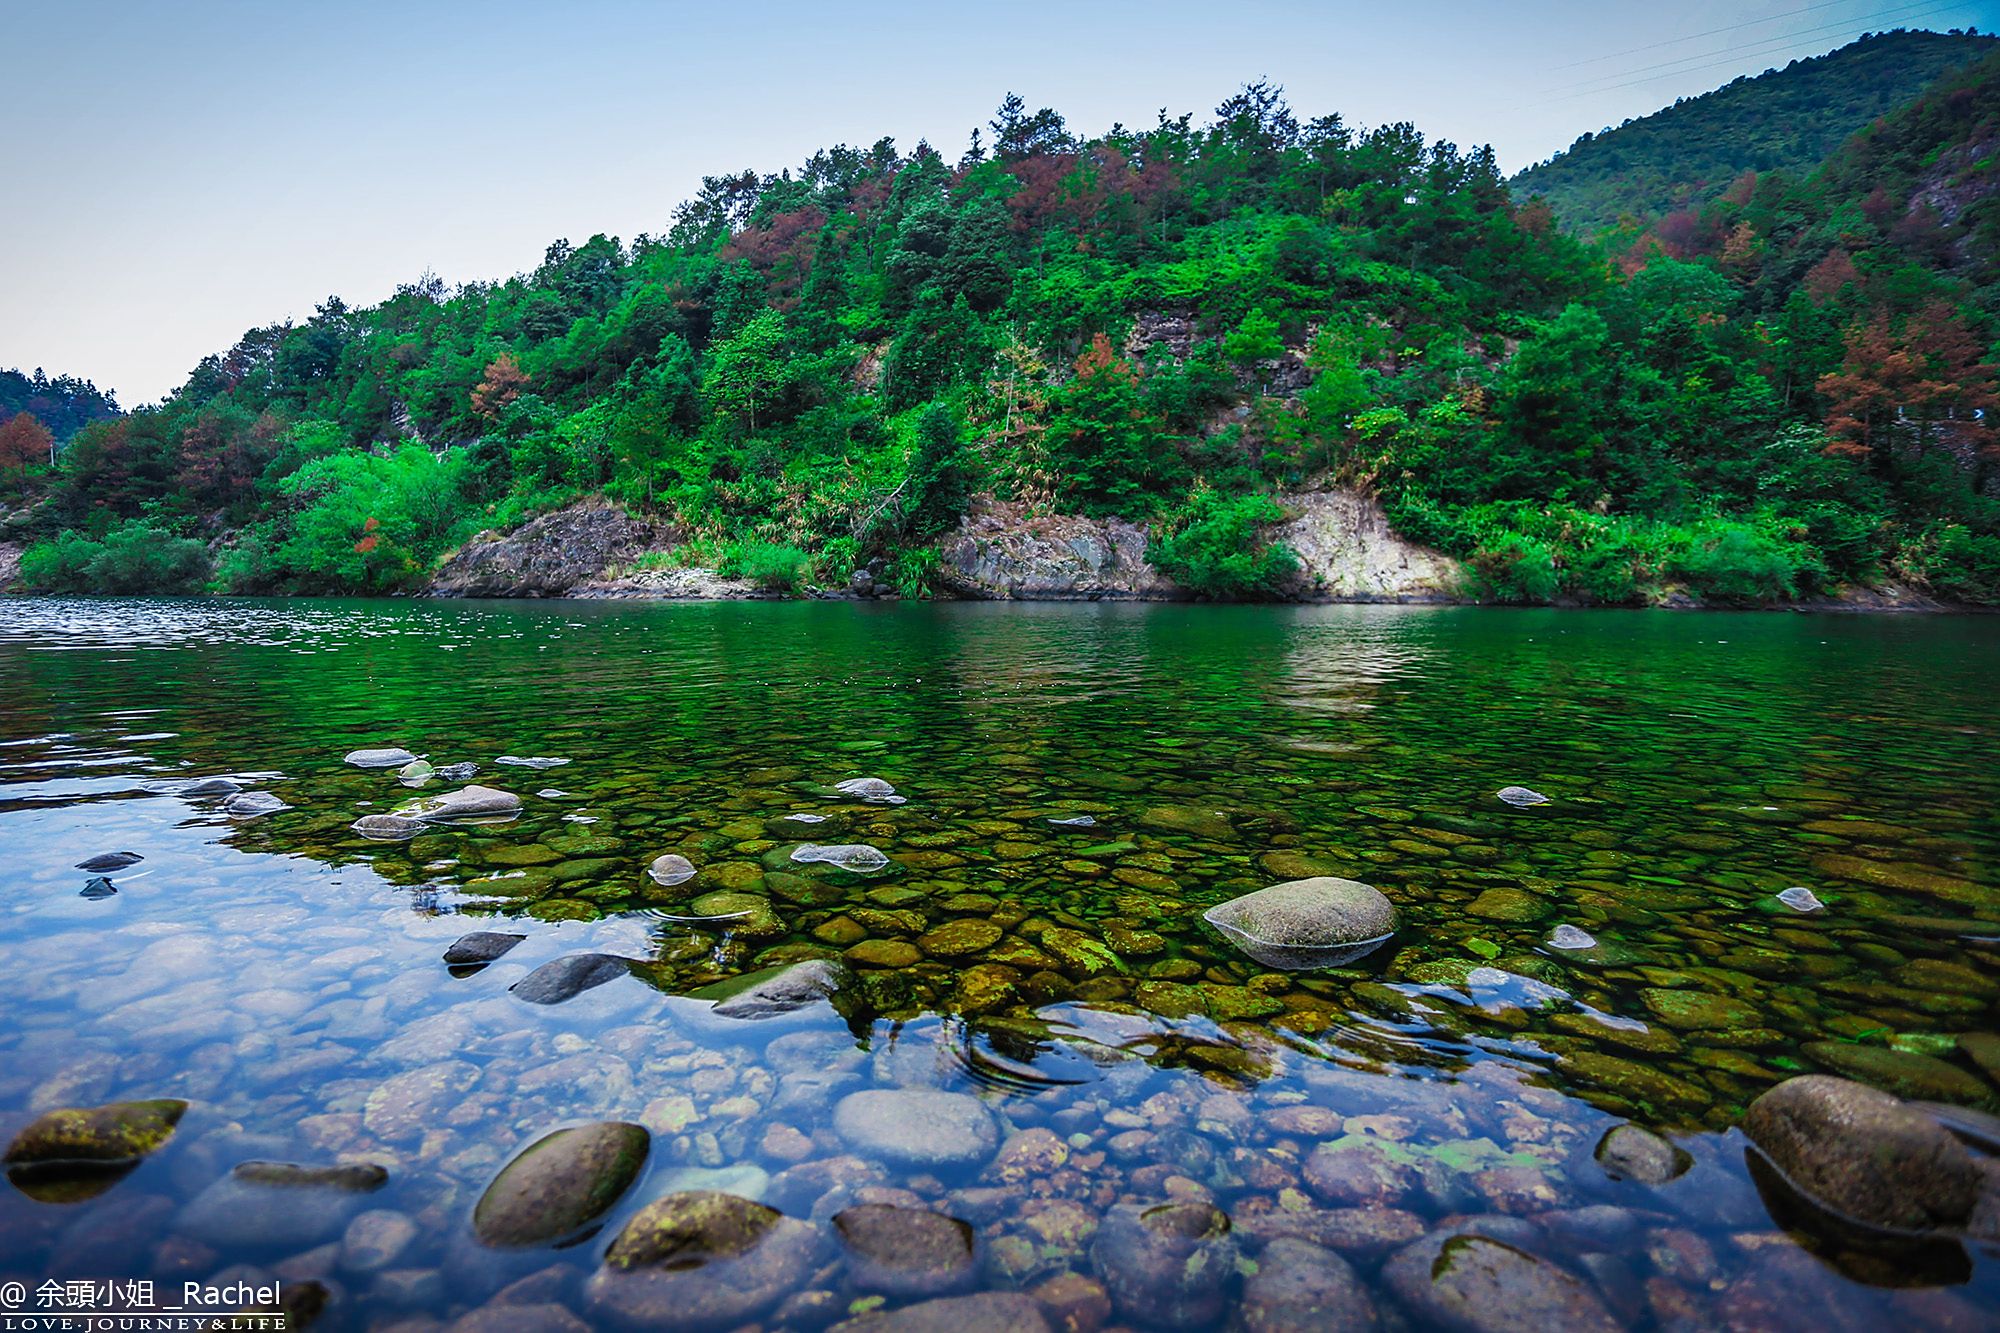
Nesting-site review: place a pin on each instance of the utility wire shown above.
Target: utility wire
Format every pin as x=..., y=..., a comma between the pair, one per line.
x=1676, y=41
x=1903, y=13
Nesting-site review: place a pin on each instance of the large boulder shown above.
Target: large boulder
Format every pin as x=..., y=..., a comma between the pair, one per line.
x=1864, y=1154
x=560, y=1183
x=700, y=1260
x=467, y=804
x=1306, y=923
x=1001, y=550
x=1477, y=1284
x=1348, y=552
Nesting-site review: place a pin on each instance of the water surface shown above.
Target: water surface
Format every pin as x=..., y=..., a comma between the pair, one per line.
x=283, y=974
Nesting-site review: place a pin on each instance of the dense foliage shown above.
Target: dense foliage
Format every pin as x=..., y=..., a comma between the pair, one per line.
x=1175, y=325
x=1783, y=120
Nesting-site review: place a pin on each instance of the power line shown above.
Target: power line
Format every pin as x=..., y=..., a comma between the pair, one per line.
x=1907, y=13
x=1676, y=41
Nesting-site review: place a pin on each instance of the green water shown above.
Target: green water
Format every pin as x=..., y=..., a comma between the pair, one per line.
x=283, y=975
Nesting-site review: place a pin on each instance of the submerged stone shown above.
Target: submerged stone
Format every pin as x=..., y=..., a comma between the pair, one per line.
x=560, y=1183
x=110, y=861
x=1904, y=1073
x=699, y=1260
x=854, y=856
x=530, y=761
x=776, y=990
x=382, y=758
x=1570, y=937
x=416, y=773
x=1166, y=1264
x=907, y=1251
x=1864, y=1154
x=250, y=804
x=467, y=803
x=570, y=976
x=1477, y=1283
x=1073, y=821
x=1299, y=1285
x=212, y=787
x=388, y=828
x=1628, y=1152
x=264, y=1206
x=984, y=1312
x=917, y=1128
x=872, y=790
x=96, y=888
x=1306, y=923
x=1521, y=796
x=481, y=946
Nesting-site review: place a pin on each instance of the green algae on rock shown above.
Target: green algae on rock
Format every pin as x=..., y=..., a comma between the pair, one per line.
x=560, y=1183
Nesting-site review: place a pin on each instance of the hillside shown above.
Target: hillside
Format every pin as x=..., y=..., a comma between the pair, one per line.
x=1788, y=119
x=826, y=372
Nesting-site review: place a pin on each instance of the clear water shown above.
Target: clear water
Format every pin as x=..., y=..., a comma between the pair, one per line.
x=283, y=974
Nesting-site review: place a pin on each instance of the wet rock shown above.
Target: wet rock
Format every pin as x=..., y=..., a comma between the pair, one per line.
x=388, y=828
x=1074, y=1303
x=699, y=1260
x=1511, y=905
x=1360, y=1172
x=1477, y=1284
x=1521, y=796
x=1570, y=937
x=1628, y=1152
x=513, y=1317
x=97, y=887
x=536, y=762
x=1073, y=821
x=116, y=1132
x=1801, y=899
x=1082, y=956
x=560, y=1183
x=855, y=856
x=456, y=772
x=907, y=1251
x=1693, y=1010
x=959, y=939
x=250, y=804
x=416, y=773
x=1904, y=1073
x=917, y=1128
x=376, y=1239
x=1983, y=1049
x=384, y=758
x=107, y=862
x=671, y=869
x=481, y=946
x=1306, y=923
x=412, y=1102
x=987, y=1312
x=1166, y=1264
x=212, y=787
x=473, y=803
x=1300, y=1286
x=567, y=977
x=1863, y=1154
x=747, y=915
x=888, y=954
x=776, y=990
x=1209, y=825
x=278, y=1206
x=873, y=790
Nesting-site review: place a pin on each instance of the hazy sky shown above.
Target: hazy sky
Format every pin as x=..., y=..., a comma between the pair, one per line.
x=179, y=172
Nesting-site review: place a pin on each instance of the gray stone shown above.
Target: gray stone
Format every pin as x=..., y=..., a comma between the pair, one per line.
x=1521, y=796
x=1904, y=1073
x=1864, y=1154
x=481, y=946
x=987, y=1312
x=1477, y=1284
x=1298, y=1285
x=1166, y=1264
x=873, y=790
x=917, y=1128
x=109, y=861
x=1801, y=899
x=567, y=977
x=382, y=758
x=700, y=1261
x=670, y=869
x=854, y=856
x=1306, y=923
x=907, y=1251
x=273, y=1206
x=467, y=803
x=1627, y=1152
x=1570, y=937
x=211, y=787
x=560, y=1183
x=250, y=804
x=775, y=991
x=388, y=828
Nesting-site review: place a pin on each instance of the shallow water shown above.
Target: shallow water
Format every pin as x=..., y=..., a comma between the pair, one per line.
x=283, y=974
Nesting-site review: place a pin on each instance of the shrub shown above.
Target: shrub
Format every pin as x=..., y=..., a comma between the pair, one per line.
x=135, y=557
x=61, y=565
x=1211, y=546
x=1725, y=560
x=770, y=565
x=1962, y=564
x=1515, y=567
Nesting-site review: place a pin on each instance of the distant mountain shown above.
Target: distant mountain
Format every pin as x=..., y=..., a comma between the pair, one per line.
x=1788, y=119
x=64, y=404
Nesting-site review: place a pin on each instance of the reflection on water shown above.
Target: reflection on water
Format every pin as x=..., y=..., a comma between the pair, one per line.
x=1132, y=1110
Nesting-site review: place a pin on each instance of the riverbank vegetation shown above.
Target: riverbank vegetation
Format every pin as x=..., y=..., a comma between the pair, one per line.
x=1772, y=395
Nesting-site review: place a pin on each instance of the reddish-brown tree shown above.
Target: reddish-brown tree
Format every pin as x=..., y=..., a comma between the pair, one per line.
x=1910, y=383
x=503, y=384
x=24, y=440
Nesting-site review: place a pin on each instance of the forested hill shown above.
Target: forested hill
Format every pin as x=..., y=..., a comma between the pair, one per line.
x=1788, y=119
x=1175, y=325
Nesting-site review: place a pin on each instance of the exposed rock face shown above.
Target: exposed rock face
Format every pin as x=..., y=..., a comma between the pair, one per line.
x=1002, y=552
x=10, y=565
x=550, y=556
x=1348, y=553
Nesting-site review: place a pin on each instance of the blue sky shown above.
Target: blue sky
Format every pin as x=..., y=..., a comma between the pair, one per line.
x=181, y=172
